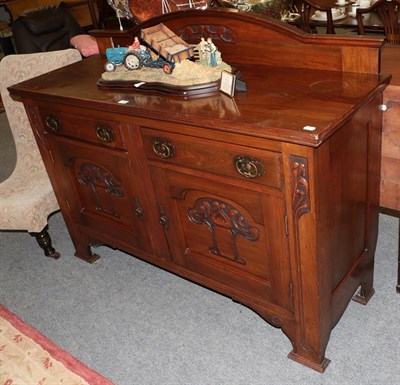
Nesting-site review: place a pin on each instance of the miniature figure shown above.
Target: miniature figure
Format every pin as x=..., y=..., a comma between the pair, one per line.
x=136, y=44
x=213, y=52
x=209, y=56
x=203, y=57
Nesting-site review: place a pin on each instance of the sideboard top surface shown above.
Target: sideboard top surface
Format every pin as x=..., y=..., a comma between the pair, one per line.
x=278, y=103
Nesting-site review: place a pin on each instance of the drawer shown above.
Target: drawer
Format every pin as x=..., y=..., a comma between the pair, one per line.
x=226, y=159
x=89, y=126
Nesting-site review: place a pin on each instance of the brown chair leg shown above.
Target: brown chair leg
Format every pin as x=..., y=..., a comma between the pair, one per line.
x=44, y=241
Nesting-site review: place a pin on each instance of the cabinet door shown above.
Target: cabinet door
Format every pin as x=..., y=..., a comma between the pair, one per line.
x=234, y=235
x=102, y=193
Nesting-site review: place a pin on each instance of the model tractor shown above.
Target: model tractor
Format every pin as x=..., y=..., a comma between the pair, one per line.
x=163, y=49
x=134, y=59
x=115, y=57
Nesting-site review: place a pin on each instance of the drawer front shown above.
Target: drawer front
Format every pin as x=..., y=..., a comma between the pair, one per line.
x=89, y=126
x=226, y=159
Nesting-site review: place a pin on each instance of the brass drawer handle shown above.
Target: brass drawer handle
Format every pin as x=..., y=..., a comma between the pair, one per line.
x=248, y=167
x=53, y=123
x=163, y=148
x=104, y=134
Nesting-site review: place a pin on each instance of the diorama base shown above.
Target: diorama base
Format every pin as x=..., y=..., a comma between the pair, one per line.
x=165, y=88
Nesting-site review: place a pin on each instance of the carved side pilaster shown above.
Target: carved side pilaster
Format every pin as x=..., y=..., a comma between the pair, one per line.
x=305, y=349
x=299, y=186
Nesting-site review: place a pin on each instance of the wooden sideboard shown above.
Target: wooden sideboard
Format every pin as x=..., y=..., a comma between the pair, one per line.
x=270, y=197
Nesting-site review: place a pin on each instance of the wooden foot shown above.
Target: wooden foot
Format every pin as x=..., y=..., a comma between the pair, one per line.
x=44, y=241
x=90, y=258
x=84, y=252
x=318, y=366
x=362, y=298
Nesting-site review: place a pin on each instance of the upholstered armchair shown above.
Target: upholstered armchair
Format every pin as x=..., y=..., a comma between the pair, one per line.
x=26, y=197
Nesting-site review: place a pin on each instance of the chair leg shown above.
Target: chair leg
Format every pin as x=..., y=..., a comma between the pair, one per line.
x=44, y=241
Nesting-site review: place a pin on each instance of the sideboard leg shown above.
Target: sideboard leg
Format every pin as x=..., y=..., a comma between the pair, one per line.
x=364, y=294
x=366, y=268
x=310, y=354
x=85, y=253
x=312, y=362
x=310, y=351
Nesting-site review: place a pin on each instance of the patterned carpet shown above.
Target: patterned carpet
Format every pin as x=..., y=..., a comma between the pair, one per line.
x=27, y=357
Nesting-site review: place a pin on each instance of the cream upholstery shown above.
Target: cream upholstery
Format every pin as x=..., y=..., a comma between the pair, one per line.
x=26, y=197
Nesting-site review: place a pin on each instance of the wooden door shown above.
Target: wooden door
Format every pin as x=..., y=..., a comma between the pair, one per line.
x=102, y=193
x=233, y=235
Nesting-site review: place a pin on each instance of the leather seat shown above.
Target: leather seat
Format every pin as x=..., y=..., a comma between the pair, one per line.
x=45, y=29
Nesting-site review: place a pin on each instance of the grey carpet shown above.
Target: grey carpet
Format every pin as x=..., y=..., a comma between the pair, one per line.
x=139, y=325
